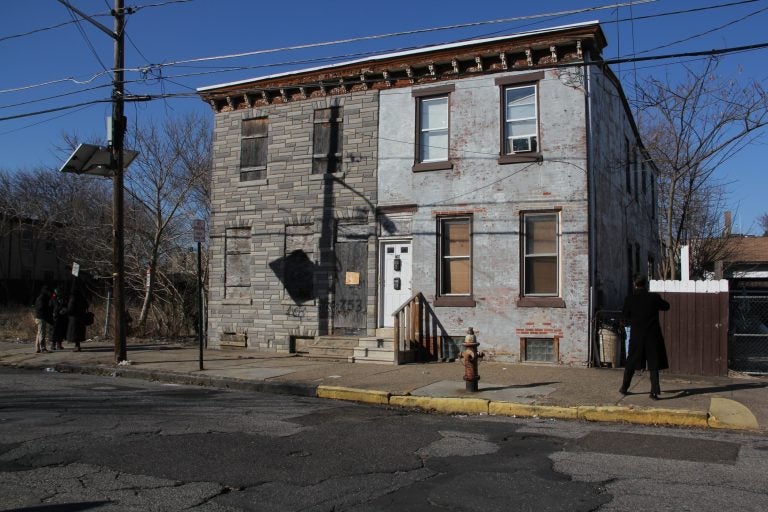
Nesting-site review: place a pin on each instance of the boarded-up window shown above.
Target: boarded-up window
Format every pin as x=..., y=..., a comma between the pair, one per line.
x=298, y=266
x=455, y=255
x=326, y=151
x=253, y=149
x=540, y=249
x=237, y=271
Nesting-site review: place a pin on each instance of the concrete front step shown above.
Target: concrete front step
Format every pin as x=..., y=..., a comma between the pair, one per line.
x=374, y=355
x=387, y=333
x=374, y=342
x=333, y=347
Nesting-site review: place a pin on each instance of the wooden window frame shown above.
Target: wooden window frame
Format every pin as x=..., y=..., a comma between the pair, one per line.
x=443, y=299
x=510, y=82
x=249, y=172
x=551, y=300
x=426, y=94
x=333, y=123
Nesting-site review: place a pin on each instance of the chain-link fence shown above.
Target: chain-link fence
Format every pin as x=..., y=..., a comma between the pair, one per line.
x=748, y=337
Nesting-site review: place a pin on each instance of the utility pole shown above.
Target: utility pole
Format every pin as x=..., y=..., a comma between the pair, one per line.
x=118, y=136
x=116, y=164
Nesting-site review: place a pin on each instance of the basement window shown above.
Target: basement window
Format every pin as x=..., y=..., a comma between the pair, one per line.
x=539, y=350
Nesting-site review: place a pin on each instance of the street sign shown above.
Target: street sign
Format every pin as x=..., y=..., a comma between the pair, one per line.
x=75, y=269
x=198, y=228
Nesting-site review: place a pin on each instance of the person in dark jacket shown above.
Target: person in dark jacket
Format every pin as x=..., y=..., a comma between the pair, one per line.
x=59, y=303
x=42, y=318
x=646, y=342
x=76, y=308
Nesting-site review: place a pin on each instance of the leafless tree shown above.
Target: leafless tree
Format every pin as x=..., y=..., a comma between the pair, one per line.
x=48, y=207
x=690, y=128
x=163, y=188
x=763, y=220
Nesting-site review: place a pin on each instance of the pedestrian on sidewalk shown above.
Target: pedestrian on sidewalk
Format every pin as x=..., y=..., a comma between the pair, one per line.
x=43, y=317
x=76, y=308
x=646, y=344
x=59, y=303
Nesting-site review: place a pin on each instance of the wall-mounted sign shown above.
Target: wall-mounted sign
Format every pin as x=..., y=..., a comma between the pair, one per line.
x=352, y=278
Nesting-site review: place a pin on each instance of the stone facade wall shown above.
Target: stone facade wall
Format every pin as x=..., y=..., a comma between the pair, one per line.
x=256, y=224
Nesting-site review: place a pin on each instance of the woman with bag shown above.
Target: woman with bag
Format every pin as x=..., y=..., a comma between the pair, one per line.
x=76, y=309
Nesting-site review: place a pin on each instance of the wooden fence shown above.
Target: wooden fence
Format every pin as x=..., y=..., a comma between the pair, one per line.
x=696, y=326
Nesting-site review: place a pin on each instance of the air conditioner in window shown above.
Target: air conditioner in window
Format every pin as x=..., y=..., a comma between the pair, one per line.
x=523, y=144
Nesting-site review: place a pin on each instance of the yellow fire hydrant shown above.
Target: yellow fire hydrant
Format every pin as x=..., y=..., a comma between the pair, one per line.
x=470, y=357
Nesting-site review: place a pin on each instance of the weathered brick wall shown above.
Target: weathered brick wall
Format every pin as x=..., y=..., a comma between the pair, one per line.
x=289, y=196
x=622, y=217
x=496, y=194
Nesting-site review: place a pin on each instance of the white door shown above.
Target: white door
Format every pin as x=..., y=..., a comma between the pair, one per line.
x=396, y=278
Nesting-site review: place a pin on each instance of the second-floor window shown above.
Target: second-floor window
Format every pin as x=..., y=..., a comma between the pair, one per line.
x=326, y=151
x=521, y=120
x=253, y=149
x=433, y=138
x=433, y=129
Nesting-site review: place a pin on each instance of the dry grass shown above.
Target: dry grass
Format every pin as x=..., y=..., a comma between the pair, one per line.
x=17, y=323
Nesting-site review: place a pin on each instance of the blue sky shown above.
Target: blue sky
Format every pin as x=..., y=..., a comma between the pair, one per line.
x=69, y=63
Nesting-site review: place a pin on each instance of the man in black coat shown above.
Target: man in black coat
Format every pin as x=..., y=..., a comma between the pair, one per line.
x=646, y=343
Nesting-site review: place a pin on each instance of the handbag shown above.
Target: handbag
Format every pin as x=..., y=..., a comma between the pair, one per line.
x=88, y=318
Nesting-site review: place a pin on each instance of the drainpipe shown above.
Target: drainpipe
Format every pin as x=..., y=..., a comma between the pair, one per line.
x=591, y=207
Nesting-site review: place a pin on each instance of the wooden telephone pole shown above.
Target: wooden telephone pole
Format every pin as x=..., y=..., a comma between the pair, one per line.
x=118, y=129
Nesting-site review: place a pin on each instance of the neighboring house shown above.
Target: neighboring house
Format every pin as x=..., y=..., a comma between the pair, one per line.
x=496, y=183
x=28, y=257
x=745, y=264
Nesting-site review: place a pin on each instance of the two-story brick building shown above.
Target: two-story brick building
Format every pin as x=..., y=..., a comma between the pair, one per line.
x=497, y=183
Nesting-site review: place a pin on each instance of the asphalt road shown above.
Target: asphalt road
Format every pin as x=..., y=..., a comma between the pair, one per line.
x=74, y=442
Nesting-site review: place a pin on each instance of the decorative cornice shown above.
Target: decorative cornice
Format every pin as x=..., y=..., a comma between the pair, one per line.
x=542, y=51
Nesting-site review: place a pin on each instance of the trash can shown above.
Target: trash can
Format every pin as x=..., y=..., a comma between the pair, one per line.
x=610, y=349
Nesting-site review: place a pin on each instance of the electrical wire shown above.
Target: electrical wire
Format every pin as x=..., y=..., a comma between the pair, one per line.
x=395, y=34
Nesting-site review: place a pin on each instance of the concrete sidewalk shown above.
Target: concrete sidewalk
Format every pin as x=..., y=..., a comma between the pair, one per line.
x=510, y=389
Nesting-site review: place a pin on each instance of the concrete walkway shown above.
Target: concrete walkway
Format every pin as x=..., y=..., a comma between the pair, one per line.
x=523, y=390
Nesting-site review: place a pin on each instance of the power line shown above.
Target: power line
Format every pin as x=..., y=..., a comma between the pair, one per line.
x=399, y=34
x=144, y=69
x=708, y=53
x=65, y=23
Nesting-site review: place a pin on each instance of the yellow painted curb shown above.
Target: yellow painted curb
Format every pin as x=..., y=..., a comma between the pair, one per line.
x=726, y=413
x=644, y=416
x=368, y=396
x=443, y=405
x=531, y=411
